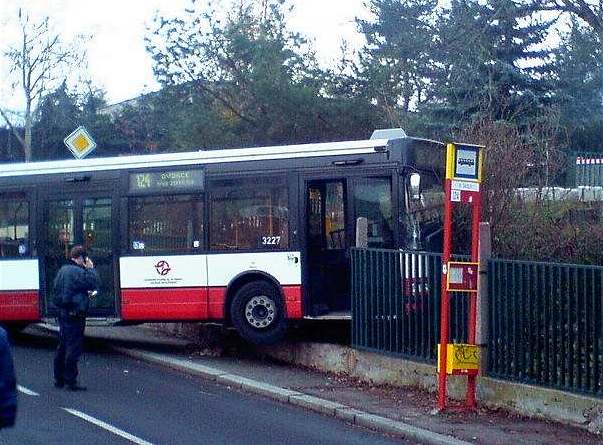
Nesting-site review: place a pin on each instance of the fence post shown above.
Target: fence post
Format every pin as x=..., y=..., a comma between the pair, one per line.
x=362, y=232
x=481, y=334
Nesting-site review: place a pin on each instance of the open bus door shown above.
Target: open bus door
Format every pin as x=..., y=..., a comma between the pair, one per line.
x=326, y=246
x=87, y=219
x=332, y=207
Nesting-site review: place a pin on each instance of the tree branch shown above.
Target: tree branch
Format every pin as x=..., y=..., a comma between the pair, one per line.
x=579, y=8
x=11, y=126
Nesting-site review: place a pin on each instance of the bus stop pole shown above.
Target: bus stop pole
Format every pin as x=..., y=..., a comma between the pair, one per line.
x=445, y=296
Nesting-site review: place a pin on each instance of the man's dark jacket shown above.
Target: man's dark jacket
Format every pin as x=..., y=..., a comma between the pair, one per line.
x=71, y=286
x=8, y=383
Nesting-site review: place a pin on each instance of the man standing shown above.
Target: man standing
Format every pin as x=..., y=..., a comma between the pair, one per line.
x=71, y=286
x=8, y=384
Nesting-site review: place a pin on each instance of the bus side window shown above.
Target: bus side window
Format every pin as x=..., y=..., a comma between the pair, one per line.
x=165, y=223
x=14, y=225
x=249, y=213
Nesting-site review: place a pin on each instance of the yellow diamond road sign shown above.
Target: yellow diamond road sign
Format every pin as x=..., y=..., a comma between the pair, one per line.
x=80, y=143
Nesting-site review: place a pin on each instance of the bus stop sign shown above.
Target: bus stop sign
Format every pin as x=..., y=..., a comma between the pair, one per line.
x=467, y=162
x=80, y=143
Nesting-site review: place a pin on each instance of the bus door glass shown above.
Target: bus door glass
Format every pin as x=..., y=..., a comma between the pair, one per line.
x=373, y=201
x=87, y=221
x=327, y=244
x=97, y=239
x=423, y=207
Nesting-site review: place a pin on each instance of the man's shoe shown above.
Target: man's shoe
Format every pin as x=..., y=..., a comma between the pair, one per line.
x=76, y=387
x=58, y=384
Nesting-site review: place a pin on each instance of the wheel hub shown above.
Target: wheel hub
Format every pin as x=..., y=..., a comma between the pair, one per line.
x=260, y=311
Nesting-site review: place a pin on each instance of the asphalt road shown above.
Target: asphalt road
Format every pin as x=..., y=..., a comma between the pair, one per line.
x=129, y=402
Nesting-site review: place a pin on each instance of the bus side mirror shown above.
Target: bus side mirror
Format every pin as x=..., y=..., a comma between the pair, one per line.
x=415, y=186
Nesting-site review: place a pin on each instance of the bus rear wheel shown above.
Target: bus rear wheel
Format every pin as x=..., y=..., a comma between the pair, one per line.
x=258, y=313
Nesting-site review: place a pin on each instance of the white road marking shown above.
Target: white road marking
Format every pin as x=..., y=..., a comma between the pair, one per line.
x=29, y=392
x=107, y=427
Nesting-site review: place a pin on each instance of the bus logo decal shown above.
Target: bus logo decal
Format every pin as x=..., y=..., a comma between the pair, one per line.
x=162, y=267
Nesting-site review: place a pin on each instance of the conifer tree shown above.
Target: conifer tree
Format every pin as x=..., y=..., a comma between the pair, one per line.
x=491, y=63
x=579, y=91
x=395, y=63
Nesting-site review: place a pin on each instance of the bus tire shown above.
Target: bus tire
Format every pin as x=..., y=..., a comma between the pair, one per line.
x=258, y=313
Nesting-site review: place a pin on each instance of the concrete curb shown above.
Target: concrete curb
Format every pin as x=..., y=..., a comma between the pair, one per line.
x=296, y=398
x=539, y=402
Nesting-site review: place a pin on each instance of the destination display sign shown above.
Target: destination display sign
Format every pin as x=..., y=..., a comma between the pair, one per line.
x=175, y=180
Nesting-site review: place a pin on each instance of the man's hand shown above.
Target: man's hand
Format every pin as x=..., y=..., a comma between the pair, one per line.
x=88, y=264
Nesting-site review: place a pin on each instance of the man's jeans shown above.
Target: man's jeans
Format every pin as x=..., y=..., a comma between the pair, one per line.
x=71, y=339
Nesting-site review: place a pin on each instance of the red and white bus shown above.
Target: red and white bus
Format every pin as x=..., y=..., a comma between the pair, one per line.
x=252, y=237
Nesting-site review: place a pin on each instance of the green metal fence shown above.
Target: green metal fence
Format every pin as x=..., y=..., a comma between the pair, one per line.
x=546, y=324
x=396, y=303
x=545, y=319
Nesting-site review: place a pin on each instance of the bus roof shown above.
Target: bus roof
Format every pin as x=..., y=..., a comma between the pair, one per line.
x=194, y=158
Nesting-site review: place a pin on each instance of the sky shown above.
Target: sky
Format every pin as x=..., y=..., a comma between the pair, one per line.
x=117, y=60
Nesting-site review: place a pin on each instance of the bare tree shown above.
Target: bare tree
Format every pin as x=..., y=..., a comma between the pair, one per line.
x=38, y=62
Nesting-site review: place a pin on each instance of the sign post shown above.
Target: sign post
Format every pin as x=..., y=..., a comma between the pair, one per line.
x=464, y=164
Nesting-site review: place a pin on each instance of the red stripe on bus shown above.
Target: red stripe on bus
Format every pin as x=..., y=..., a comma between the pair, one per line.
x=19, y=306
x=216, y=296
x=164, y=304
x=190, y=303
x=293, y=301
